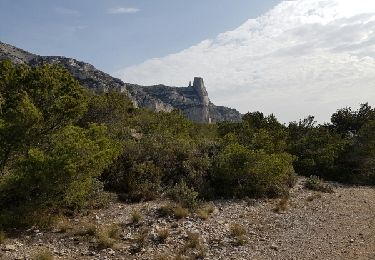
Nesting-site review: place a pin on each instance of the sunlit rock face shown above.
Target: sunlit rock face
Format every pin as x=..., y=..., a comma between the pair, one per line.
x=193, y=101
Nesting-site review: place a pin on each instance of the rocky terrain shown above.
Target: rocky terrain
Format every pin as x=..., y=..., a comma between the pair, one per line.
x=193, y=101
x=309, y=225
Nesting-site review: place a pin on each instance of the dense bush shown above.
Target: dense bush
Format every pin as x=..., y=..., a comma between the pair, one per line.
x=342, y=150
x=257, y=132
x=241, y=172
x=184, y=196
x=47, y=164
x=253, y=161
x=62, y=176
x=163, y=156
x=357, y=163
x=112, y=109
x=317, y=149
x=35, y=103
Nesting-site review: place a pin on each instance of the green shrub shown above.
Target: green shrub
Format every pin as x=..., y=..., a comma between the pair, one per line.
x=35, y=102
x=165, y=155
x=341, y=151
x=357, y=163
x=241, y=172
x=317, y=149
x=47, y=165
x=62, y=177
x=144, y=181
x=183, y=195
x=112, y=109
x=315, y=184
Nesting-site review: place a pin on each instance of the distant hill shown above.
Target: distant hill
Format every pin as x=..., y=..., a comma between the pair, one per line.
x=193, y=100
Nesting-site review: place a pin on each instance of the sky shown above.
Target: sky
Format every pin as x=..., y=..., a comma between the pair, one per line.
x=290, y=58
x=112, y=34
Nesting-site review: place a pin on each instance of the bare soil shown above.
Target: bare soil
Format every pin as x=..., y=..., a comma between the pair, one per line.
x=309, y=225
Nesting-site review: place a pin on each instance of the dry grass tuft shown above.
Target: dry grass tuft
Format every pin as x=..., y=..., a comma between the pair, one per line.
x=87, y=229
x=42, y=254
x=237, y=230
x=180, y=212
x=136, y=217
x=142, y=237
x=193, y=248
x=314, y=197
x=114, y=231
x=202, y=214
x=193, y=240
x=282, y=205
x=63, y=225
x=165, y=210
x=163, y=234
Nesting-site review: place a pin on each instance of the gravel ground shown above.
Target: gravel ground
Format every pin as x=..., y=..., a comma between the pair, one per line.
x=312, y=225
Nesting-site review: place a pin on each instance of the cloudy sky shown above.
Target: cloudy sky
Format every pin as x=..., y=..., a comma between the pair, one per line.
x=301, y=57
x=113, y=34
x=290, y=58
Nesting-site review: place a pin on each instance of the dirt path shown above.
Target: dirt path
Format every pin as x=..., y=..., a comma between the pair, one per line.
x=315, y=225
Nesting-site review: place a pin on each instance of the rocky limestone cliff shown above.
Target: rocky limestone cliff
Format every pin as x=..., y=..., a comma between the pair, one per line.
x=193, y=100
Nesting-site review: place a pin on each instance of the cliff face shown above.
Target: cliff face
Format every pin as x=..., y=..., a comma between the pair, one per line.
x=193, y=100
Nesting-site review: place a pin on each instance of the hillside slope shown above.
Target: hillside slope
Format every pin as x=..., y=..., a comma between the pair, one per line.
x=190, y=100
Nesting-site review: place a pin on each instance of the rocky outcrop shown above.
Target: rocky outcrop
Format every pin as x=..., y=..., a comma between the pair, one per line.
x=193, y=100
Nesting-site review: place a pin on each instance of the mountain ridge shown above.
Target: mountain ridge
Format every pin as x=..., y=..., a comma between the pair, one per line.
x=193, y=100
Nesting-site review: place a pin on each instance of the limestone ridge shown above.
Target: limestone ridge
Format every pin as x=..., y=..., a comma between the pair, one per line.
x=193, y=100
x=85, y=73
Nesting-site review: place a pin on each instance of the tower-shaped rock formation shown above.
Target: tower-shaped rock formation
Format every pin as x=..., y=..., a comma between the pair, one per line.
x=203, y=108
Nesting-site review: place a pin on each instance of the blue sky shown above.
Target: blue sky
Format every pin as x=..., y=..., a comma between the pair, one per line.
x=90, y=30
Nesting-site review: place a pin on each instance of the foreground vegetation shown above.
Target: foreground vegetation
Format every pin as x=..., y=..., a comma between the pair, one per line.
x=62, y=146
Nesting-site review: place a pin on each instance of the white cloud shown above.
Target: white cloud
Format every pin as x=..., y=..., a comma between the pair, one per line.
x=123, y=10
x=302, y=57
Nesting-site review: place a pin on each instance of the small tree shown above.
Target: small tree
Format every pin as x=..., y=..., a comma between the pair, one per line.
x=35, y=102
